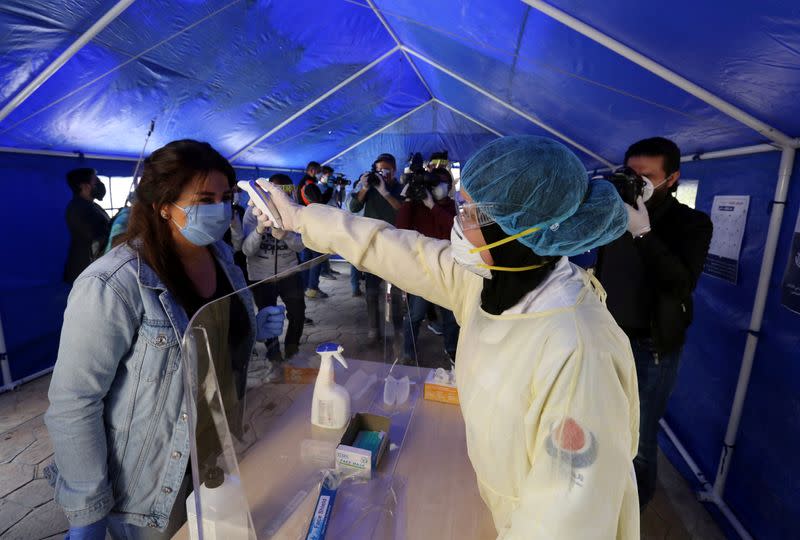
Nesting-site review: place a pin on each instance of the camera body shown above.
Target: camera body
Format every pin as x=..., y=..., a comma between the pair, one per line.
x=373, y=179
x=419, y=181
x=629, y=184
x=340, y=180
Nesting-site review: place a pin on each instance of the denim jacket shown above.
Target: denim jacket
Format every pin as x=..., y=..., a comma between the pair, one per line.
x=117, y=415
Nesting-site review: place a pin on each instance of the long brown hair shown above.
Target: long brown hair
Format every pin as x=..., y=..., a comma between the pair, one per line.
x=166, y=173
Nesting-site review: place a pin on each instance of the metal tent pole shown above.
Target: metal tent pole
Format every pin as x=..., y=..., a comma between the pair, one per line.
x=311, y=105
x=661, y=71
x=57, y=153
x=509, y=106
x=378, y=131
x=708, y=495
x=396, y=39
x=770, y=247
x=62, y=59
x=468, y=117
x=5, y=368
x=719, y=154
x=732, y=152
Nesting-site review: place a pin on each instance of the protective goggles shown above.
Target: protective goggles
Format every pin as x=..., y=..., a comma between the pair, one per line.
x=471, y=215
x=439, y=163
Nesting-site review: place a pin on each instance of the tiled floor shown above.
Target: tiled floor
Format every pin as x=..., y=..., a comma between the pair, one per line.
x=28, y=512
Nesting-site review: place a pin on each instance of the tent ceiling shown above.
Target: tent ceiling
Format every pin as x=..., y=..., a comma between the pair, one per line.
x=231, y=71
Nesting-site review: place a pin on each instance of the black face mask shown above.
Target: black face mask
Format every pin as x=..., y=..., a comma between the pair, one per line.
x=505, y=289
x=99, y=191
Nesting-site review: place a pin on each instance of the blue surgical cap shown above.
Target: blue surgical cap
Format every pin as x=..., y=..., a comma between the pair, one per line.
x=538, y=182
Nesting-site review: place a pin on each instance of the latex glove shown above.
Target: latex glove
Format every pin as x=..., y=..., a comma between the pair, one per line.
x=638, y=219
x=428, y=201
x=270, y=322
x=289, y=210
x=95, y=531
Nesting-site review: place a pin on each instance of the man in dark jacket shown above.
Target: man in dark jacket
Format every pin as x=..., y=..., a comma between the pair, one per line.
x=650, y=274
x=432, y=217
x=379, y=198
x=88, y=224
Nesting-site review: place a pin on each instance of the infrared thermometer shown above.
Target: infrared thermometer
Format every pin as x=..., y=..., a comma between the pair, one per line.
x=262, y=199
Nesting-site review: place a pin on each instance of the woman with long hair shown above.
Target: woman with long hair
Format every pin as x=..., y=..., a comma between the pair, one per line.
x=117, y=413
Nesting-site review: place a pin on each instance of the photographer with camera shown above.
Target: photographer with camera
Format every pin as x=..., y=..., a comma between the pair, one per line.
x=649, y=275
x=336, y=184
x=429, y=210
x=379, y=198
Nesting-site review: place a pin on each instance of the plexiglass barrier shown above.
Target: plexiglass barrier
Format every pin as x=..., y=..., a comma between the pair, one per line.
x=258, y=462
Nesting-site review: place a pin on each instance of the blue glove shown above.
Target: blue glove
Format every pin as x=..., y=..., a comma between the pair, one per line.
x=95, y=531
x=270, y=322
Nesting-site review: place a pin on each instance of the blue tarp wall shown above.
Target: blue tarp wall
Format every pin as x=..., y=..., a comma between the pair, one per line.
x=276, y=84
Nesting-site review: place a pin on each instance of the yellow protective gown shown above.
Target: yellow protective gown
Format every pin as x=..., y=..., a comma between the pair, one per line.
x=549, y=398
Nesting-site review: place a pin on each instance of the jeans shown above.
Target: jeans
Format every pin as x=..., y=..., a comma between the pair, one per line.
x=418, y=309
x=374, y=298
x=355, y=277
x=326, y=267
x=310, y=277
x=290, y=290
x=656, y=373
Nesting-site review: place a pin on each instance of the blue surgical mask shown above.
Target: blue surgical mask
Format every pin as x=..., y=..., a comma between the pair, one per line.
x=206, y=223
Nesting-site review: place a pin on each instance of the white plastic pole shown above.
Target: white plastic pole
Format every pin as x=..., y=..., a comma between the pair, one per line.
x=62, y=59
x=468, y=117
x=776, y=218
x=378, y=132
x=708, y=495
x=4, y=366
x=657, y=69
x=397, y=41
x=510, y=107
x=311, y=105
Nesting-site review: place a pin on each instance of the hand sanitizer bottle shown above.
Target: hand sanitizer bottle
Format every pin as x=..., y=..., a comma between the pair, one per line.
x=330, y=407
x=224, y=509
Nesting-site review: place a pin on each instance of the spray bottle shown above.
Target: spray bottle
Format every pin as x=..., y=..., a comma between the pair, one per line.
x=330, y=407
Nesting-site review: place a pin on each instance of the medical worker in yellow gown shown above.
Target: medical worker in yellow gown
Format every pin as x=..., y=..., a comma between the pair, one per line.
x=545, y=377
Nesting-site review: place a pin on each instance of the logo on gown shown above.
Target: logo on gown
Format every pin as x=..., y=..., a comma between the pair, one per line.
x=569, y=442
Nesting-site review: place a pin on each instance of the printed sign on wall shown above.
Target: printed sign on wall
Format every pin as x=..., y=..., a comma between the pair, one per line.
x=729, y=216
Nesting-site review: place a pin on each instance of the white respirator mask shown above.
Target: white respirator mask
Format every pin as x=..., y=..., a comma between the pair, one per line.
x=464, y=254
x=441, y=191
